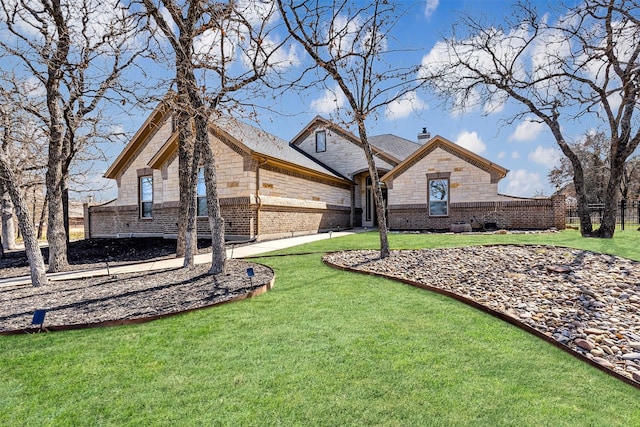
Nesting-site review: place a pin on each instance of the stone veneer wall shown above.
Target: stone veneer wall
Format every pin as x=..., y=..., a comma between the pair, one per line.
x=516, y=214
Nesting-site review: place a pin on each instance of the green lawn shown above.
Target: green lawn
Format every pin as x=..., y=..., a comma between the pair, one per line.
x=324, y=347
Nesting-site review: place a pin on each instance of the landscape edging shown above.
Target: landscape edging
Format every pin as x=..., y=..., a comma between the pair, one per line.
x=491, y=312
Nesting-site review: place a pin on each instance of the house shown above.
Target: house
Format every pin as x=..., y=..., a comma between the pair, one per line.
x=318, y=181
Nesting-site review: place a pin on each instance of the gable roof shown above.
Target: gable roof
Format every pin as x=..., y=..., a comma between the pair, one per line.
x=249, y=139
x=155, y=120
x=245, y=138
x=386, y=147
x=263, y=144
x=496, y=171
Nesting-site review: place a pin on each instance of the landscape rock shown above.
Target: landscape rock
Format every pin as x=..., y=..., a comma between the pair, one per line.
x=584, y=344
x=631, y=356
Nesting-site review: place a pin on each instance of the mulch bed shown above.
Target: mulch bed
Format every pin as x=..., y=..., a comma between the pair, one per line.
x=97, y=253
x=125, y=298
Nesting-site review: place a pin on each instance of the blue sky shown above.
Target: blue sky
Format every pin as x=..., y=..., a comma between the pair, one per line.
x=527, y=149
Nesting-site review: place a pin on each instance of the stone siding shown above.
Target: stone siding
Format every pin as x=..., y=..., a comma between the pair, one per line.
x=515, y=214
x=340, y=154
x=235, y=173
x=279, y=183
x=467, y=183
x=128, y=181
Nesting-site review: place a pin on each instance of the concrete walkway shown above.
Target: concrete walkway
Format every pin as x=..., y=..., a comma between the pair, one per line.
x=233, y=252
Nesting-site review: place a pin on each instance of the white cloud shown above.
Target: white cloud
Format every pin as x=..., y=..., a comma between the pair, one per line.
x=545, y=156
x=523, y=183
x=430, y=7
x=515, y=155
x=471, y=141
x=329, y=101
x=501, y=155
x=273, y=53
x=548, y=55
x=527, y=130
x=495, y=104
x=449, y=75
x=404, y=106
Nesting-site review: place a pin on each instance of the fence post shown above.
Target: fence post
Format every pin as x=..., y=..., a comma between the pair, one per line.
x=623, y=205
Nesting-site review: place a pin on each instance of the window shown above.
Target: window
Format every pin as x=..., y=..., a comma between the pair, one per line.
x=321, y=141
x=202, y=194
x=439, y=197
x=146, y=196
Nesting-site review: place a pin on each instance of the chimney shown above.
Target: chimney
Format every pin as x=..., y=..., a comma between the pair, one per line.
x=424, y=136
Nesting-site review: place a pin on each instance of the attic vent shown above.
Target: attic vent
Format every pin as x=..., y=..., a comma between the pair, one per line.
x=424, y=136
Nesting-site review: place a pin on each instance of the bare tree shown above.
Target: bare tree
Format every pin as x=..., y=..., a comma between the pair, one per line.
x=630, y=183
x=76, y=51
x=10, y=126
x=584, y=67
x=206, y=39
x=593, y=154
x=351, y=43
x=24, y=149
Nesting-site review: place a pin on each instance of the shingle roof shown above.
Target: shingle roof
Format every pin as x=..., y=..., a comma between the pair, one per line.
x=398, y=147
x=262, y=142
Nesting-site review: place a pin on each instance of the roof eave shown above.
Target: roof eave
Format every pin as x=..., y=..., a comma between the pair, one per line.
x=148, y=127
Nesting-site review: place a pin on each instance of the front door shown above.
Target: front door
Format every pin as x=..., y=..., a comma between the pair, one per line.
x=370, y=217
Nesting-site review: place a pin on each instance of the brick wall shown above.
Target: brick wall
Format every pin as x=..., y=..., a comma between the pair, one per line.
x=242, y=219
x=283, y=221
x=515, y=214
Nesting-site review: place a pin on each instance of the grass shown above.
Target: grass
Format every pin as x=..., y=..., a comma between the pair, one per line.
x=324, y=347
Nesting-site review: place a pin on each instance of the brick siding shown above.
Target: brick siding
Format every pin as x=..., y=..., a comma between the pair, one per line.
x=517, y=214
x=241, y=220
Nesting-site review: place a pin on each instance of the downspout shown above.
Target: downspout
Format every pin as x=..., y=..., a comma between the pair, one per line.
x=352, y=216
x=258, y=199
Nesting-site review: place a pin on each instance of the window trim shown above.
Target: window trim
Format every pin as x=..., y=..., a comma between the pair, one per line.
x=141, y=200
x=200, y=195
x=321, y=143
x=439, y=177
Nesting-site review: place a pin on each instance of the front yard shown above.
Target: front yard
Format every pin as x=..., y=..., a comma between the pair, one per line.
x=324, y=347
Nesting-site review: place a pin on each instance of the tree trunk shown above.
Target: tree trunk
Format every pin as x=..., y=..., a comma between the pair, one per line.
x=43, y=215
x=610, y=213
x=56, y=237
x=8, y=227
x=65, y=209
x=34, y=255
x=191, y=229
x=586, y=228
x=216, y=222
x=377, y=192
x=186, y=239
